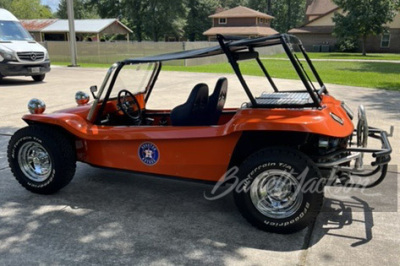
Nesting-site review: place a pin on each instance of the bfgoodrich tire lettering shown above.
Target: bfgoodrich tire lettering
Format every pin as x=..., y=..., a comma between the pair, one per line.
x=41, y=158
x=281, y=190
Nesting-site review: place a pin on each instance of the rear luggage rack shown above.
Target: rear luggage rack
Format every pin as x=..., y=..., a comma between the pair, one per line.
x=284, y=98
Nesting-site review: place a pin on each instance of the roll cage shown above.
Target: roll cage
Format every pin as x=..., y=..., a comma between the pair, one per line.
x=236, y=50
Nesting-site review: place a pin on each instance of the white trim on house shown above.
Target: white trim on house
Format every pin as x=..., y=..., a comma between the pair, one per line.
x=388, y=41
x=222, y=20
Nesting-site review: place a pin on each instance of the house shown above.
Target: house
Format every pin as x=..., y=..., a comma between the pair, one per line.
x=316, y=9
x=34, y=26
x=240, y=21
x=317, y=33
x=58, y=29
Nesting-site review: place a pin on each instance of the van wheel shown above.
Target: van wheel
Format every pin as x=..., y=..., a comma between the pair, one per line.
x=42, y=159
x=280, y=190
x=39, y=77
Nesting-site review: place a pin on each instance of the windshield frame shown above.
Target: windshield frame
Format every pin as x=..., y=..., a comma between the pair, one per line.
x=111, y=78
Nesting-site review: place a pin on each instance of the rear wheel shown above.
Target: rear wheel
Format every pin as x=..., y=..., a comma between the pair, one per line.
x=39, y=77
x=42, y=159
x=281, y=190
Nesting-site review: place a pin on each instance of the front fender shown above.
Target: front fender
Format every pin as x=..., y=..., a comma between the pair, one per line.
x=73, y=123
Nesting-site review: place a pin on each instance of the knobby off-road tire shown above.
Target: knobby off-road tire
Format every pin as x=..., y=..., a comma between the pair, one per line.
x=42, y=159
x=280, y=190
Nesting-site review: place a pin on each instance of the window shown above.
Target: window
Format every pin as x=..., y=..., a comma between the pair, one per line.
x=222, y=21
x=134, y=78
x=261, y=21
x=385, y=41
x=13, y=31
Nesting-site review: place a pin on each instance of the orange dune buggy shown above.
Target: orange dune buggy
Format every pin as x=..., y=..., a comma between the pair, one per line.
x=278, y=150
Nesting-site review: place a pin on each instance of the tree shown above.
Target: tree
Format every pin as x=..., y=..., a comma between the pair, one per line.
x=363, y=18
x=162, y=18
x=83, y=9
x=5, y=4
x=155, y=19
x=197, y=18
x=134, y=12
x=107, y=8
x=149, y=19
x=27, y=9
x=264, y=6
x=288, y=13
x=233, y=3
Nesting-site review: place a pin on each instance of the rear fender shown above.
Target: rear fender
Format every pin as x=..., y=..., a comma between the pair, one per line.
x=253, y=141
x=312, y=121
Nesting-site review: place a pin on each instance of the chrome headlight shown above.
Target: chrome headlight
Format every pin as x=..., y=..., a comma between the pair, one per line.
x=349, y=112
x=82, y=98
x=47, y=56
x=337, y=118
x=36, y=106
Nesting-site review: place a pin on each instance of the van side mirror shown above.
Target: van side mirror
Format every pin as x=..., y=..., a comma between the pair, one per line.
x=93, y=90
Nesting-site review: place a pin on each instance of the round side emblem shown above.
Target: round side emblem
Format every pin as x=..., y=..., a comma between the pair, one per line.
x=148, y=153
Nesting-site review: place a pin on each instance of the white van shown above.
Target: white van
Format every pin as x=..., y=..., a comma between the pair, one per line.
x=20, y=54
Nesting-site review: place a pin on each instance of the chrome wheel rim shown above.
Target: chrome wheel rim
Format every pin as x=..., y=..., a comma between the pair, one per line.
x=276, y=194
x=34, y=161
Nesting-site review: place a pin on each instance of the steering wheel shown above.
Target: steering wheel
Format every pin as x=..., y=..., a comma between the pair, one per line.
x=130, y=106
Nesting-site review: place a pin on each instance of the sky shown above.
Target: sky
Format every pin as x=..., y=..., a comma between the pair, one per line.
x=53, y=4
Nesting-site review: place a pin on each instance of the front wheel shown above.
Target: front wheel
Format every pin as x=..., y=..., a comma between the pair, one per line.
x=39, y=77
x=280, y=190
x=41, y=158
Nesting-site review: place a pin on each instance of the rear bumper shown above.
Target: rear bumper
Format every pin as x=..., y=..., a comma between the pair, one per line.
x=17, y=69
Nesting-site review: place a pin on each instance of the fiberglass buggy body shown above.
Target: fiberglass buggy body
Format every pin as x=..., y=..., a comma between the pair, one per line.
x=283, y=147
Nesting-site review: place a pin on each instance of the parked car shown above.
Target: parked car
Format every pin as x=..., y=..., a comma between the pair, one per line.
x=20, y=54
x=280, y=148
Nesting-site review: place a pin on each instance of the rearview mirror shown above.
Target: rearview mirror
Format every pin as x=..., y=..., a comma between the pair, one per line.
x=93, y=90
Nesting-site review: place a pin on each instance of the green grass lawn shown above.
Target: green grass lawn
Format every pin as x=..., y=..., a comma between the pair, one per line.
x=363, y=74
x=357, y=56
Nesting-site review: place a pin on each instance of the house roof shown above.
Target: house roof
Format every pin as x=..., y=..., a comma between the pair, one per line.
x=313, y=30
x=240, y=12
x=241, y=31
x=84, y=25
x=36, y=24
x=320, y=7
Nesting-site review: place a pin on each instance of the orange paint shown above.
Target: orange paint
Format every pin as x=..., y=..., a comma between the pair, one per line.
x=201, y=152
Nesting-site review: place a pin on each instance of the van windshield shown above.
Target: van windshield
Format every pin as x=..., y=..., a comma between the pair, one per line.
x=13, y=31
